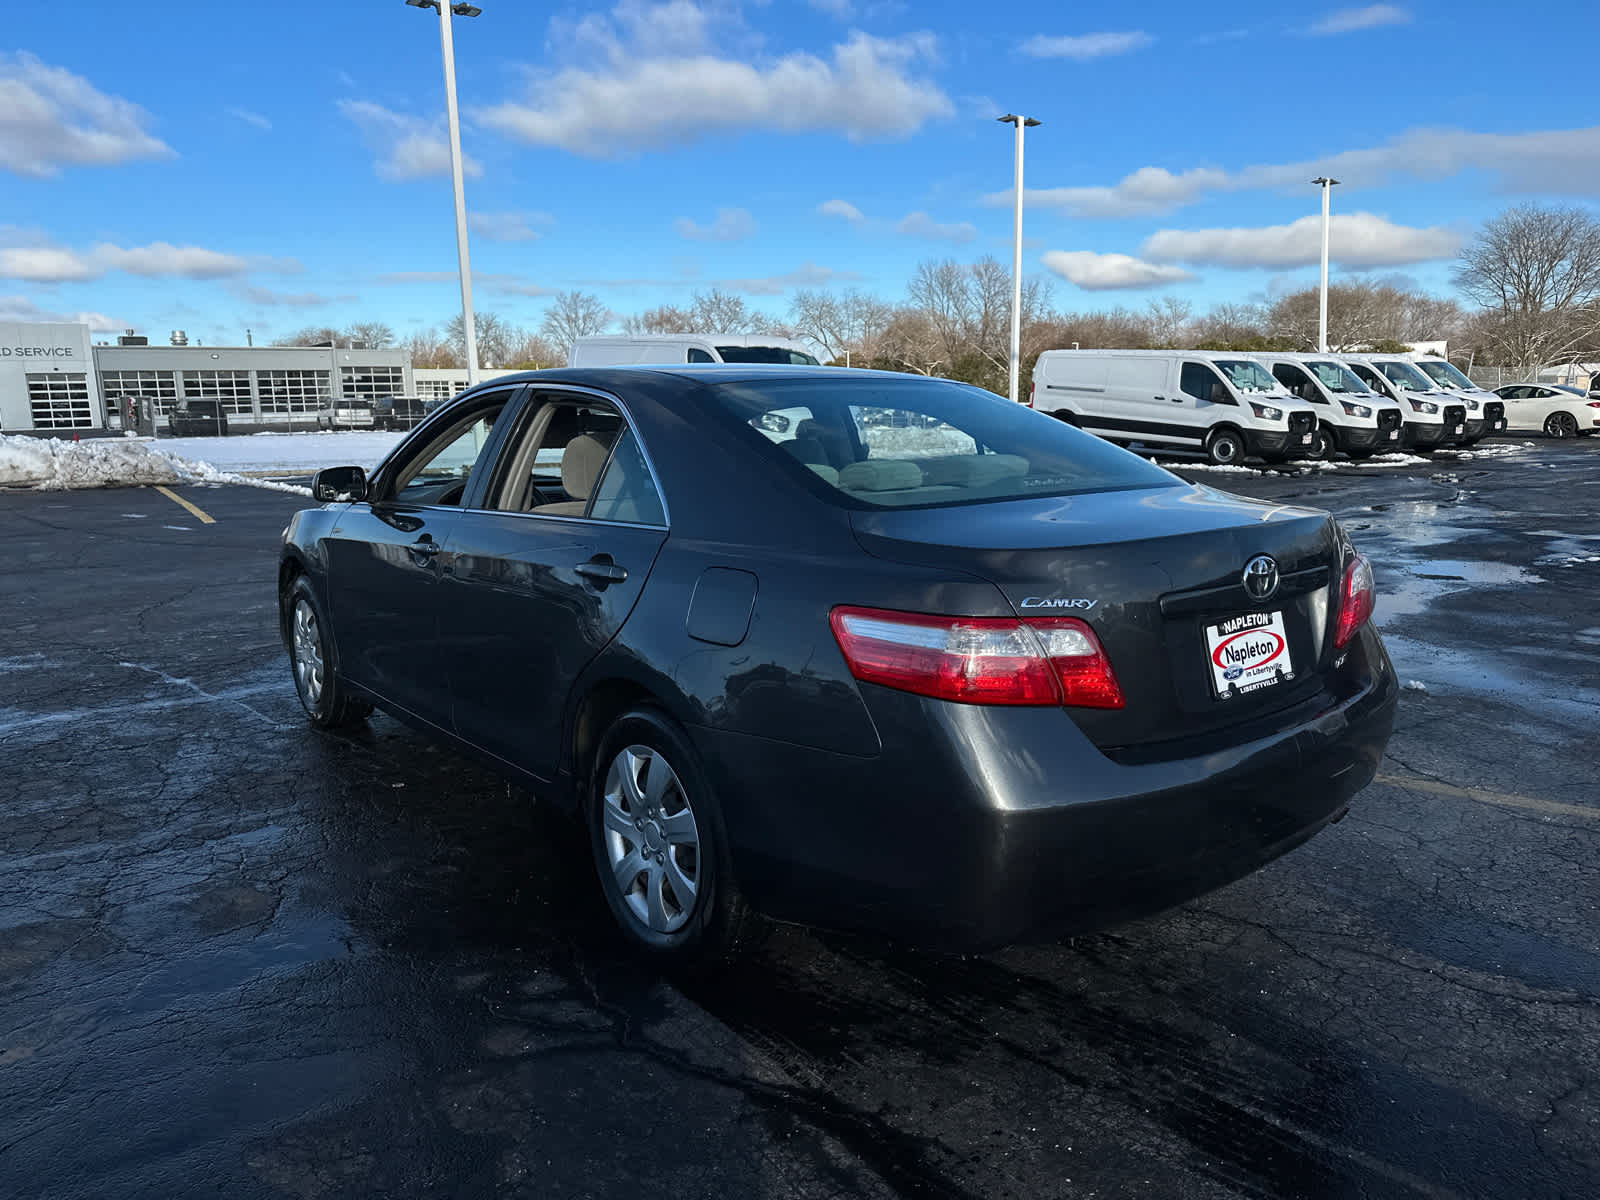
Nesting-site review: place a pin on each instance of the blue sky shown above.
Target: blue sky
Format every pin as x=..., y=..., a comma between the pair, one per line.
x=214, y=167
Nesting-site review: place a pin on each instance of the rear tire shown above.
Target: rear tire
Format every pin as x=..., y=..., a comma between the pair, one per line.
x=321, y=694
x=661, y=848
x=1561, y=425
x=1067, y=417
x=1225, y=447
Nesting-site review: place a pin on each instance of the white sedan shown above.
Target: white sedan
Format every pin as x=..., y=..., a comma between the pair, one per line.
x=1554, y=411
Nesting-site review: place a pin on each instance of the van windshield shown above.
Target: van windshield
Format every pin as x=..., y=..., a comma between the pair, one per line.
x=767, y=354
x=1337, y=378
x=1248, y=376
x=1406, y=376
x=1444, y=374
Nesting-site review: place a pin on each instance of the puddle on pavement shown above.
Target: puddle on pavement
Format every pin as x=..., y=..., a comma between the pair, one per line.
x=1416, y=585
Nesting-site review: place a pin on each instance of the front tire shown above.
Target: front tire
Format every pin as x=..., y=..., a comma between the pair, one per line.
x=321, y=694
x=1225, y=447
x=660, y=846
x=1322, y=445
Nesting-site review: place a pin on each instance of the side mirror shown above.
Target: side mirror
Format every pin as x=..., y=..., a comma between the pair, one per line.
x=1219, y=394
x=339, y=483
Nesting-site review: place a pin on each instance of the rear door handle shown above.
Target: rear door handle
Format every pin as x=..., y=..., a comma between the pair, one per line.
x=602, y=571
x=423, y=549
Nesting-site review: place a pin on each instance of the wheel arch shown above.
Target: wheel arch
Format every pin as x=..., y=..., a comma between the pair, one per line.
x=596, y=704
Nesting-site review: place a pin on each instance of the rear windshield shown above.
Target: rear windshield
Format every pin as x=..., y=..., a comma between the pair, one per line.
x=916, y=443
x=767, y=354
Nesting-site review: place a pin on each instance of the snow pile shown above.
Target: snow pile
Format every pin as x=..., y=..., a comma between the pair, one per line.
x=99, y=462
x=290, y=453
x=51, y=464
x=1416, y=685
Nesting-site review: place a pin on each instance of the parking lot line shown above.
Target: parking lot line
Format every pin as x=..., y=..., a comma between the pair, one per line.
x=1438, y=787
x=177, y=499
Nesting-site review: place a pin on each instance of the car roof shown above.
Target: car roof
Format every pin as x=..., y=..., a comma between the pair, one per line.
x=612, y=377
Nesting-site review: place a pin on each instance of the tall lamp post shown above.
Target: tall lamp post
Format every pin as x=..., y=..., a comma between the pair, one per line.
x=1327, y=186
x=1020, y=123
x=447, y=48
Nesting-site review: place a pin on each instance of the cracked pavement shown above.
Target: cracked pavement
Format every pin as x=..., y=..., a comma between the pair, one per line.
x=241, y=957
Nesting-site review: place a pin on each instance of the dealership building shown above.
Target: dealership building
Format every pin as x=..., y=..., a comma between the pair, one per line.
x=54, y=380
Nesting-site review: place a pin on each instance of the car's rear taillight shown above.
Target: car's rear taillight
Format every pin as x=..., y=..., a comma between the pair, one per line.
x=1355, y=601
x=1591, y=403
x=1032, y=385
x=978, y=660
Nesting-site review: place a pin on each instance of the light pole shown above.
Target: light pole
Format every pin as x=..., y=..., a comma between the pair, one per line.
x=447, y=48
x=1020, y=122
x=1327, y=186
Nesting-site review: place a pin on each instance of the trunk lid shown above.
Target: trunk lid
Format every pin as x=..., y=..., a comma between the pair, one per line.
x=1150, y=569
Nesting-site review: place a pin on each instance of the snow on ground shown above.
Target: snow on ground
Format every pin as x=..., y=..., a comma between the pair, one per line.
x=889, y=442
x=52, y=464
x=287, y=452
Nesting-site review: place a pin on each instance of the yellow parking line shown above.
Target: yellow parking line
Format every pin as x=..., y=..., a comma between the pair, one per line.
x=1555, y=808
x=177, y=499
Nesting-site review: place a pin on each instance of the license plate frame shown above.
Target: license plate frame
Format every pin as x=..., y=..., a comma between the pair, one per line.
x=1248, y=653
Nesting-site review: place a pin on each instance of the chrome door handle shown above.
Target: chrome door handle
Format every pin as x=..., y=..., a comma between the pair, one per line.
x=602, y=572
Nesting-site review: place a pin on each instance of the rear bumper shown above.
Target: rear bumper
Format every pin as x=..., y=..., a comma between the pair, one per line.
x=979, y=827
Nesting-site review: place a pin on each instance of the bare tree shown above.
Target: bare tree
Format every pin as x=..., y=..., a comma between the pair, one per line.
x=1169, y=321
x=375, y=335
x=572, y=315
x=529, y=351
x=494, y=336
x=426, y=348
x=850, y=324
x=1537, y=270
x=1229, y=326
x=663, y=319
x=313, y=335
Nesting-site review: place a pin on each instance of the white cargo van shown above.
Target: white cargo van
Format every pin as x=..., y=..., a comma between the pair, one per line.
x=1486, y=412
x=1226, y=404
x=1350, y=417
x=657, y=349
x=1433, y=416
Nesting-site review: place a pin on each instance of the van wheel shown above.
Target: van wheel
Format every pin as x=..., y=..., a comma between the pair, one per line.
x=1224, y=447
x=1067, y=416
x=1323, y=445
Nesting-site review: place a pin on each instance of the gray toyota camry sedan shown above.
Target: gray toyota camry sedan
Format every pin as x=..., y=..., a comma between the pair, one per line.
x=846, y=648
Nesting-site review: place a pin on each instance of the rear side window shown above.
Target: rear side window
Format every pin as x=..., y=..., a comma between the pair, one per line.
x=766, y=354
x=921, y=443
x=697, y=355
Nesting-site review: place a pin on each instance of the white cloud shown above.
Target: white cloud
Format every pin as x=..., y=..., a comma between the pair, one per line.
x=1350, y=20
x=1558, y=161
x=59, y=264
x=250, y=118
x=731, y=225
x=1107, y=272
x=508, y=226
x=1358, y=240
x=51, y=118
x=841, y=208
x=1085, y=46
x=408, y=147
x=663, y=80
x=20, y=308
x=920, y=224
x=268, y=296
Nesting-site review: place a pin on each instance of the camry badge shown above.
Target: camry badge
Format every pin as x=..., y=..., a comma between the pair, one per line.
x=1260, y=577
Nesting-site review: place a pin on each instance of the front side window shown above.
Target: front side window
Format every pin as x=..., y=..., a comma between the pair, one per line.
x=1296, y=381
x=1372, y=379
x=921, y=443
x=440, y=471
x=1197, y=379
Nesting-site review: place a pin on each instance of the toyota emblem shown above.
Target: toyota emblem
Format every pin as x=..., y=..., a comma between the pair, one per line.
x=1260, y=577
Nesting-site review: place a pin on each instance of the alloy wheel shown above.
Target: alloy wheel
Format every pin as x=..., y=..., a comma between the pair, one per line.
x=1561, y=425
x=307, y=641
x=652, y=840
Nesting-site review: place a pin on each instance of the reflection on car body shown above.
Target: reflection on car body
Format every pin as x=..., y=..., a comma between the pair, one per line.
x=803, y=671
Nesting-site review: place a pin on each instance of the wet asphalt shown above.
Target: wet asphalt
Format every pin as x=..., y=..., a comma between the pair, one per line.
x=239, y=957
